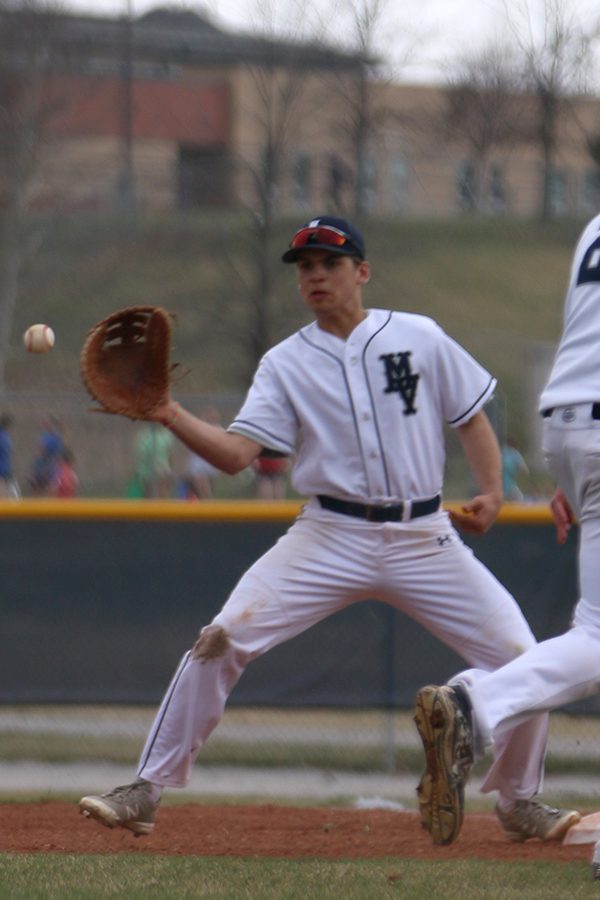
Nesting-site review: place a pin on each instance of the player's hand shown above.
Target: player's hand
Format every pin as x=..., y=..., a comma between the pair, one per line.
x=166, y=413
x=478, y=515
x=562, y=515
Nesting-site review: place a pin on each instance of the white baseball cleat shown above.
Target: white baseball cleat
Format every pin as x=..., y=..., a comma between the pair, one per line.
x=129, y=806
x=534, y=819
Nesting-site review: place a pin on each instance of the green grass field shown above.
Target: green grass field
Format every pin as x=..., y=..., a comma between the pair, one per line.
x=54, y=876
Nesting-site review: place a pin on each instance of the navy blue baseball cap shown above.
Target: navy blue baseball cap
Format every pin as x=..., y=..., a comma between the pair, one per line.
x=326, y=233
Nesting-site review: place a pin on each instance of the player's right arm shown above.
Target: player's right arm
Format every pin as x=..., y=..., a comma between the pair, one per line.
x=228, y=451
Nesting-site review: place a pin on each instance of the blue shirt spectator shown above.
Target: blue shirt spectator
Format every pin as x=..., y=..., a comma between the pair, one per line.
x=47, y=460
x=512, y=465
x=8, y=483
x=6, y=446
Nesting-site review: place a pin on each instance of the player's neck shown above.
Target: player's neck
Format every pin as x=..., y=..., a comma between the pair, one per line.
x=341, y=322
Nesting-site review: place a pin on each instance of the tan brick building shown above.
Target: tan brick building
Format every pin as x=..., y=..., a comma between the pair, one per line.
x=169, y=112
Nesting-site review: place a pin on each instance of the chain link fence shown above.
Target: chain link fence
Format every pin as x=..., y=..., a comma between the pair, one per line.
x=97, y=613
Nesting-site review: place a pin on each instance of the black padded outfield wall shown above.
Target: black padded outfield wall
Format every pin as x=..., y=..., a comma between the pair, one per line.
x=100, y=608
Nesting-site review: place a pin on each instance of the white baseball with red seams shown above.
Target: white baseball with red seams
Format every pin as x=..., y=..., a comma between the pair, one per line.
x=39, y=338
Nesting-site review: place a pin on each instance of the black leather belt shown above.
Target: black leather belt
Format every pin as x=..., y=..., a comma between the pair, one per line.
x=595, y=411
x=391, y=513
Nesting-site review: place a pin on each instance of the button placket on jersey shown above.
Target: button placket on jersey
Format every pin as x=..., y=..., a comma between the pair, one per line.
x=365, y=420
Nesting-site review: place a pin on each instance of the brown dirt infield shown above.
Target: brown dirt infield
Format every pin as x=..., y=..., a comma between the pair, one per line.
x=267, y=830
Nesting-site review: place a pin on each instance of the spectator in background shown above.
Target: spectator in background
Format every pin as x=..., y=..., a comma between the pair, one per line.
x=512, y=464
x=197, y=482
x=271, y=475
x=8, y=483
x=66, y=481
x=198, y=478
x=49, y=454
x=153, y=475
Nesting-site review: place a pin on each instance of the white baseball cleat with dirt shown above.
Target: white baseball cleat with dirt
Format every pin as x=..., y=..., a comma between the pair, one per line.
x=129, y=806
x=534, y=819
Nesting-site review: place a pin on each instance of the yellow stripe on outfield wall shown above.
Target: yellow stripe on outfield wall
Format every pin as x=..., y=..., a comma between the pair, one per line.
x=179, y=510
x=213, y=510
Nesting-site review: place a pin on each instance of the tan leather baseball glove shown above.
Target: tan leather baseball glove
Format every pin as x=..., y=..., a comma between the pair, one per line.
x=126, y=361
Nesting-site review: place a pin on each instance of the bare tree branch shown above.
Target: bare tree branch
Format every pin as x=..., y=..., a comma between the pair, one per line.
x=555, y=51
x=484, y=109
x=28, y=49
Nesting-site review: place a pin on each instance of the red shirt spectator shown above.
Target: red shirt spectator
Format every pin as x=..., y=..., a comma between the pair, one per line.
x=66, y=480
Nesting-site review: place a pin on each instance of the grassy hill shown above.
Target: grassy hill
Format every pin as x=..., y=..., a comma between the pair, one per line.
x=496, y=285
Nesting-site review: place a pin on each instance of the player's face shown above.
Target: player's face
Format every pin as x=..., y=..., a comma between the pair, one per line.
x=330, y=283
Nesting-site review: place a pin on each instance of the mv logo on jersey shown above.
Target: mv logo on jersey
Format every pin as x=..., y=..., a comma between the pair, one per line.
x=401, y=378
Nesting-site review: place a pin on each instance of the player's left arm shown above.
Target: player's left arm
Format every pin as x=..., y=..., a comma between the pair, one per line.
x=482, y=452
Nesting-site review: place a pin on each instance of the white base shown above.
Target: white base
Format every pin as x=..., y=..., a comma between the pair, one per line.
x=586, y=831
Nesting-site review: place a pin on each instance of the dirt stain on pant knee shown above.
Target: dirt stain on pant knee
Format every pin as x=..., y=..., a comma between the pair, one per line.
x=212, y=643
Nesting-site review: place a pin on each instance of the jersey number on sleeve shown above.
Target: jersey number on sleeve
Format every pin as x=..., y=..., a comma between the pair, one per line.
x=589, y=270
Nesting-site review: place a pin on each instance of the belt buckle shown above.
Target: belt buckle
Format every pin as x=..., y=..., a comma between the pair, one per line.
x=369, y=512
x=374, y=513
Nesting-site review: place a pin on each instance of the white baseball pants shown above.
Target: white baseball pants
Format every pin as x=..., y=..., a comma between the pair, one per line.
x=566, y=668
x=325, y=562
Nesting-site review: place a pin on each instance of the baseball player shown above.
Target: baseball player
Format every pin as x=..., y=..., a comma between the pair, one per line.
x=359, y=399
x=457, y=721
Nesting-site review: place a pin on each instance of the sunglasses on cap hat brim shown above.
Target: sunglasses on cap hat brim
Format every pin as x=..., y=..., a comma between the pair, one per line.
x=319, y=234
x=324, y=236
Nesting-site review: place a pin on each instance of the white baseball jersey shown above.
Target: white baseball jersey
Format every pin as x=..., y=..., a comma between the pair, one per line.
x=575, y=376
x=365, y=416
x=364, y=419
